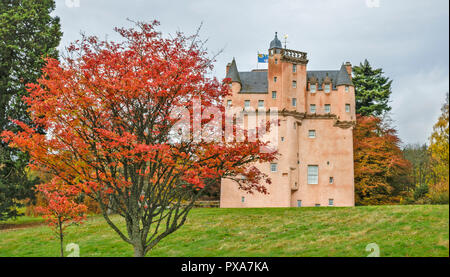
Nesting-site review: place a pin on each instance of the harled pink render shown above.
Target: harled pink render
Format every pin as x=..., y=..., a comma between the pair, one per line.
x=331, y=150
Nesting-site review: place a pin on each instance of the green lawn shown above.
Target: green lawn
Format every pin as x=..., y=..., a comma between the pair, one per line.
x=398, y=230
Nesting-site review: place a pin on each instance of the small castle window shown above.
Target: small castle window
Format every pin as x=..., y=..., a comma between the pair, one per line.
x=294, y=102
x=312, y=88
x=274, y=79
x=274, y=167
x=346, y=88
x=294, y=68
x=331, y=180
x=330, y=202
x=276, y=61
x=312, y=108
x=317, y=205
x=299, y=203
x=294, y=84
x=243, y=199
x=260, y=103
x=347, y=108
x=247, y=103
x=327, y=108
x=282, y=138
x=274, y=95
x=229, y=103
x=327, y=88
x=312, y=133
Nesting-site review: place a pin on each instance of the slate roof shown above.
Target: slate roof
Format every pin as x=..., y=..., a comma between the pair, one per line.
x=233, y=73
x=254, y=82
x=343, y=78
x=321, y=75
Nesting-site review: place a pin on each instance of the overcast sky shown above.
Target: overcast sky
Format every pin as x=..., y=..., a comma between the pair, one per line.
x=408, y=39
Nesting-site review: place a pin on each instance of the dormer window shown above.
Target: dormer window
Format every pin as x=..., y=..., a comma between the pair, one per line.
x=294, y=68
x=312, y=88
x=327, y=88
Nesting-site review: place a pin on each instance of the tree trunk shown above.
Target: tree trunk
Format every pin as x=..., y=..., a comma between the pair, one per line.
x=61, y=238
x=138, y=250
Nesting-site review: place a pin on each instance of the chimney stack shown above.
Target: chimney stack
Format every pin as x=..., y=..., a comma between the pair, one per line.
x=348, y=66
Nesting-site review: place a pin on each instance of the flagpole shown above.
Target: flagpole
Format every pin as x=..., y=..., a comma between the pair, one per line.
x=257, y=57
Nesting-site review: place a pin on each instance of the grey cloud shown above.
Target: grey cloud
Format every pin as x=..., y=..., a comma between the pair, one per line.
x=408, y=39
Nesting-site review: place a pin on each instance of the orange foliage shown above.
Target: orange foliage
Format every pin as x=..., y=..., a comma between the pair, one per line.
x=379, y=163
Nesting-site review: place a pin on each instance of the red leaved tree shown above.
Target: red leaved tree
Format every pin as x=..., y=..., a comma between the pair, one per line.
x=107, y=109
x=381, y=171
x=61, y=209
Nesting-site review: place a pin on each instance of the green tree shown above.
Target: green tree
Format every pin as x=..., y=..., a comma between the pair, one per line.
x=381, y=171
x=421, y=172
x=372, y=90
x=420, y=158
x=27, y=34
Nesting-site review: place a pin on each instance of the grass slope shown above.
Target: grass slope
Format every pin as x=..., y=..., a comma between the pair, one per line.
x=398, y=231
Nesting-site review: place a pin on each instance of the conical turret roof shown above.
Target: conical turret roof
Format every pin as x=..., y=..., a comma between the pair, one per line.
x=233, y=73
x=343, y=78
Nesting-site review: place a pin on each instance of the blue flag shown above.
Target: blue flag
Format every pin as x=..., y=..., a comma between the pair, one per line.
x=263, y=58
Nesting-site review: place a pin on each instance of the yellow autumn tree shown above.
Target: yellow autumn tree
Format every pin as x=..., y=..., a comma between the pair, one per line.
x=439, y=191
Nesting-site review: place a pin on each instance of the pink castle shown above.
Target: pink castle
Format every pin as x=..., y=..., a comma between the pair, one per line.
x=316, y=109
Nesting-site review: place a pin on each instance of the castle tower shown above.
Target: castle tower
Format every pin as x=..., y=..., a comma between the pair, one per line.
x=317, y=115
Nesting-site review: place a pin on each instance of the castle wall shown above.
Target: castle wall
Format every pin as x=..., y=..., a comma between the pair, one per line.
x=332, y=151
